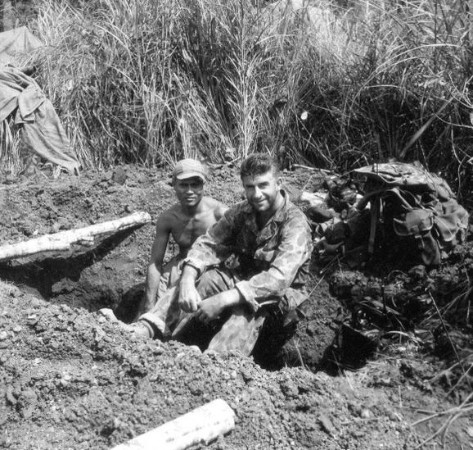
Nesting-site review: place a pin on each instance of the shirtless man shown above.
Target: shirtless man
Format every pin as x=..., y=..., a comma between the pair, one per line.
x=185, y=222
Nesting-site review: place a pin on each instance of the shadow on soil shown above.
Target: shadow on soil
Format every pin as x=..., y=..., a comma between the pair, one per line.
x=318, y=340
x=40, y=276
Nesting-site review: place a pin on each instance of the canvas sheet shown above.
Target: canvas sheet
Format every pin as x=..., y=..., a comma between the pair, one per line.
x=15, y=44
x=42, y=131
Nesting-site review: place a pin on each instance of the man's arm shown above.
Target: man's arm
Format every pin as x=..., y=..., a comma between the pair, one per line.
x=155, y=267
x=204, y=253
x=189, y=298
x=207, y=309
x=212, y=307
x=215, y=246
x=294, y=249
x=220, y=211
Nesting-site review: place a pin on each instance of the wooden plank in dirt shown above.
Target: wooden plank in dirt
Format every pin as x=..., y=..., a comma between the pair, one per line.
x=64, y=240
x=200, y=426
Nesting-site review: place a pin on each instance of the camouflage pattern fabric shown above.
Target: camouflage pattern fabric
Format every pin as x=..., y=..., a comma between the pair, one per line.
x=407, y=175
x=238, y=330
x=270, y=263
x=167, y=318
x=239, y=333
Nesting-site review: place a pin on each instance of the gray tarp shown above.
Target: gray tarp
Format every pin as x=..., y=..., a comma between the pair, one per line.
x=16, y=43
x=42, y=131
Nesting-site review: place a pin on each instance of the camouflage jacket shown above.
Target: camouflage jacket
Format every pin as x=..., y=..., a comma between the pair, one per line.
x=269, y=264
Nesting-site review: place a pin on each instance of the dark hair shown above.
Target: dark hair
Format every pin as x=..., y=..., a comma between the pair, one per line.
x=258, y=164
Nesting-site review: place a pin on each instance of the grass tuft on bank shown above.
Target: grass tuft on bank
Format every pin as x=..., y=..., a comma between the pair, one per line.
x=331, y=83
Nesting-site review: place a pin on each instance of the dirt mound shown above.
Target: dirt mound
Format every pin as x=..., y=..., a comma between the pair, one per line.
x=69, y=379
x=73, y=381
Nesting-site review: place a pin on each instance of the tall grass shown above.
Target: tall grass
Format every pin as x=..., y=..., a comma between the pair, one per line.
x=333, y=83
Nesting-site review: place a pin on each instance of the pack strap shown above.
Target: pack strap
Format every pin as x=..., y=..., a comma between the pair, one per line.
x=374, y=217
x=404, y=196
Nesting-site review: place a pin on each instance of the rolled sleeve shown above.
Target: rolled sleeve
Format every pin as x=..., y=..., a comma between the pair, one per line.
x=197, y=264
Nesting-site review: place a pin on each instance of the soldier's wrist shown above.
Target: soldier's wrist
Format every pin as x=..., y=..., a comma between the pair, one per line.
x=188, y=281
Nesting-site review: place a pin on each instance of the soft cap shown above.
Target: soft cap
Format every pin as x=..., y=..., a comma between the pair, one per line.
x=188, y=168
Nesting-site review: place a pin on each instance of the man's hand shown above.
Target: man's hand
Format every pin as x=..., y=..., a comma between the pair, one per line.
x=189, y=298
x=211, y=308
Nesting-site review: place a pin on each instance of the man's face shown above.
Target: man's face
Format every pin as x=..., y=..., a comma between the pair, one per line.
x=262, y=191
x=189, y=191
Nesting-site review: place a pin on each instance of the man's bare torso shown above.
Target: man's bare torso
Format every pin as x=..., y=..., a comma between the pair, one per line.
x=185, y=228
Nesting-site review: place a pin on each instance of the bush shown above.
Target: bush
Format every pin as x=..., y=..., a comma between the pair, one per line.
x=335, y=84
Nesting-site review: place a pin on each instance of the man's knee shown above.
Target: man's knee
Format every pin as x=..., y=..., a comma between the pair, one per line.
x=239, y=332
x=213, y=282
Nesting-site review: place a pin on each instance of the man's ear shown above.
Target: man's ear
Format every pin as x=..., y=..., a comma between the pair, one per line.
x=279, y=182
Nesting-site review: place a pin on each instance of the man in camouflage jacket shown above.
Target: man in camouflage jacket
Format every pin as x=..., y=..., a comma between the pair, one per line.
x=257, y=255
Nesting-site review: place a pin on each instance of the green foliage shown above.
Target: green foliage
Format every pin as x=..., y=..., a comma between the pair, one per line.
x=336, y=84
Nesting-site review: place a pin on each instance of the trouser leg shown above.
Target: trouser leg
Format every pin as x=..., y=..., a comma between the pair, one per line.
x=166, y=315
x=240, y=332
x=192, y=331
x=166, y=312
x=215, y=281
x=170, y=276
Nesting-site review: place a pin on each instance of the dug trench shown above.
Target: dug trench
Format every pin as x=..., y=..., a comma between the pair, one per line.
x=86, y=281
x=71, y=379
x=110, y=272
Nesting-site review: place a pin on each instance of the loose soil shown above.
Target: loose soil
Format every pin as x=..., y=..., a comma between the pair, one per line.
x=69, y=379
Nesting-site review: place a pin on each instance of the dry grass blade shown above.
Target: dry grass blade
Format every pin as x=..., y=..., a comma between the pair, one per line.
x=452, y=344
x=451, y=415
x=422, y=130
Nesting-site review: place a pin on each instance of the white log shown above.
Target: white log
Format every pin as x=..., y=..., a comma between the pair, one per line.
x=200, y=426
x=64, y=240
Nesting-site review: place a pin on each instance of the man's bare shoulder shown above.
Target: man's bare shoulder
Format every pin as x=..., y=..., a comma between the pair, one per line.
x=217, y=207
x=169, y=216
